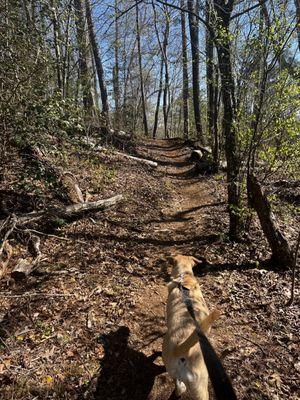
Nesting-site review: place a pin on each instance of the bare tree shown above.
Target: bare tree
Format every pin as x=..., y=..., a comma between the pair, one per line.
x=56, y=37
x=138, y=37
x=223, y=10
x=98, y=62
x=185, y=77
x=212, y=86
x=116, y=69
x=193, y=7
x=83, y=53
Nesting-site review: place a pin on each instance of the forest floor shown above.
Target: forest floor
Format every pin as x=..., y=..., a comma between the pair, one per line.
x=85, y=324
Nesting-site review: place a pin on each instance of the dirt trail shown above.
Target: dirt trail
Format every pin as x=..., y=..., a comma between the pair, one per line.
x=190, y=196
x=85, y=326
x=180, y=228
x=183, y=224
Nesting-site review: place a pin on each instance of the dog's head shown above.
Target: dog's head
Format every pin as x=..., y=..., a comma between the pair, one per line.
x=181, y=264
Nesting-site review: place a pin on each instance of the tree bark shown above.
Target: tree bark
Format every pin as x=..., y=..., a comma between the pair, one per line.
x=194, y=34
x=66, y=56
x=297, y=5
x=98, y=61
x=163, y=67
x=211, y=86
x=166, y=93
x=223, y=10
x=138, y=36
x=281, y=252
x=56, y=37
x=158, y=98
x=116, y=70
x=185, y=77
x=84, y=67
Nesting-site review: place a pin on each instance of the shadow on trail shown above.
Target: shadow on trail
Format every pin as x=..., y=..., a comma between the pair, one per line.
x=176, y=146
x=201, y=239
x=167, y=163
x=188, y=174
x=125, y=372
x=182, y=216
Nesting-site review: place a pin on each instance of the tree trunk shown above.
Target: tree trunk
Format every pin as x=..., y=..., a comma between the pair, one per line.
x=56, y=37
x=164, y=62
x=138, y=36
x=223, y=10
x=166, y=94
x=66, y=56
x=194, y=34
x=260, y=86
x=98, y=61
x=84, y=67
x=158, y=98
x=281, y=252
x=297, y=5
x=185, y=77
x=211, y=87
x=116, y=83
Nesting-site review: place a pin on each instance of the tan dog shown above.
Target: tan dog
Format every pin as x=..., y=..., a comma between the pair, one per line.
x=181, y=353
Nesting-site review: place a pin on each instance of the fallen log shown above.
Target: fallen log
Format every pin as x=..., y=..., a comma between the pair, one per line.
x=203, y=161
x=137, y=159
x=22, y=270
x=120, y=134
x=73, y=211
x=130, y=157
x=197, y=156
x=281, y=251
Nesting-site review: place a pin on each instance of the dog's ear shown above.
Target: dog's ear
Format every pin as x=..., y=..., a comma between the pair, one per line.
x=169, y=260
x=166, y=262
x=195, y=260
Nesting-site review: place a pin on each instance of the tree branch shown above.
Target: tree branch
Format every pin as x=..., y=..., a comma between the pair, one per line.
x=248, y=9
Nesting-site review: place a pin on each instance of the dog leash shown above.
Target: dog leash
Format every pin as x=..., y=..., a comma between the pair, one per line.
x=217, y=374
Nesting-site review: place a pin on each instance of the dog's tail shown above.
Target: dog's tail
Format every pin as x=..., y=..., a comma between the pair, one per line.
x=205, y=325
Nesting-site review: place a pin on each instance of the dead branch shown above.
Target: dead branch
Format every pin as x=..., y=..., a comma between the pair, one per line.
x=281, y=251
x=255, y=343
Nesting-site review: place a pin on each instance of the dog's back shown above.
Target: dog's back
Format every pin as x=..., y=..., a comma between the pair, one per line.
x=181, y=351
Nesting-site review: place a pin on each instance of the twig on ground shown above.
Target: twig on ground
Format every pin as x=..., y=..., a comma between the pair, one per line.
x=55, y=236
x=255, y=343
x=14, y=220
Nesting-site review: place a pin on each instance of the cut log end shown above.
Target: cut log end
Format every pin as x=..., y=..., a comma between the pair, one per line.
x=22, y=270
